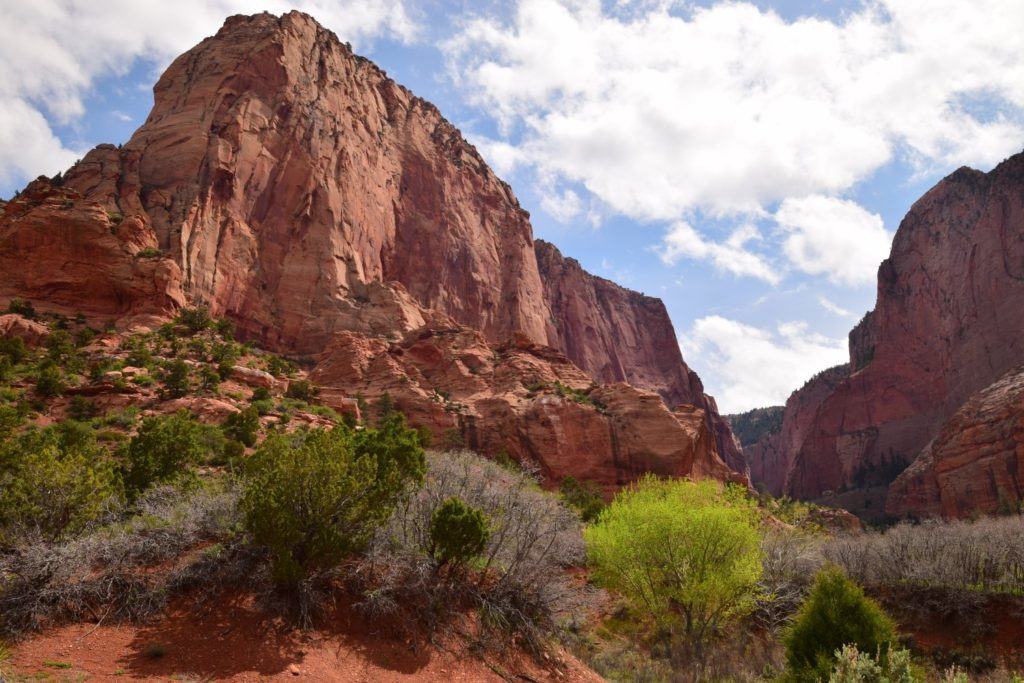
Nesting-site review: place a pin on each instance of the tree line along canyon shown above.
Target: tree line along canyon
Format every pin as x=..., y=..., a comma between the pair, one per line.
x=289, y=389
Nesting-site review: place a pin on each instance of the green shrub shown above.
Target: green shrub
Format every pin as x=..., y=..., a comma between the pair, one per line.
x=209, y=378
x=10, y=419
x=195, y=319
x=149, y=252
x=81, y=408
x=584, y=497
x=176, y=378
x=243, y=426
x=6, y=368
x=224, y=368
x=685, y=552
x=53, y=484
x=302, y=390
x=163, y=450
x=233, y=450
x=260, y=394
x=59, y=345
x=278, y=367
x=22, y=307
x=458, y=533
x=13, y=348
x=313, y=499
x=264, y=406
x=426, y=436
x=84, y=336
x=139, y=353
x=50, y=381
x=836, y=613
x=225, y=328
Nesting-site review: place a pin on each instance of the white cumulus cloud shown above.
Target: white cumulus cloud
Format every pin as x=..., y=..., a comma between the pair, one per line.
x=836, y=238
x=666, y=111
x=732, y=255
x=748, y=367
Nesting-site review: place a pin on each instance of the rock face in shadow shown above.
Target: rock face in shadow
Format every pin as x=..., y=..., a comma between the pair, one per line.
x=947, y=324
x=771, y=457
x=975, y=464
x=291, y=186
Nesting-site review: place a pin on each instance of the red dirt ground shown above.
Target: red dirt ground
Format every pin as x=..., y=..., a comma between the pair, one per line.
x=233, y=641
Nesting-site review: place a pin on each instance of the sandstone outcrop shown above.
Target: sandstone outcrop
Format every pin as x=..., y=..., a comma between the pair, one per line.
x=291, y=186
x=70, y=254
x=619, y=335
x=521, y=400
x=946, y=324
x=975, y=464
x=32, y=333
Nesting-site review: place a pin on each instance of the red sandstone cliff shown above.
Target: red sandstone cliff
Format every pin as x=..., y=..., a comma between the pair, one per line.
x=947, y=323
x=618, y=335
x=975, y=464
x=290, y=185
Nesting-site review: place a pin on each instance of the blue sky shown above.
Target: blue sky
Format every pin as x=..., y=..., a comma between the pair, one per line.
x=747, y=162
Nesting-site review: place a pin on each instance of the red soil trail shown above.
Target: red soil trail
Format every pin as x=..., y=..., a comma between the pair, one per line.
x=232, y=640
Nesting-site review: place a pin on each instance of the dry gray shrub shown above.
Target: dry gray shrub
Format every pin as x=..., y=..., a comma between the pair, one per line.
x=789, y=558
x=985, y=555
x=938, y=568
x=518, y=584
x=107, y=574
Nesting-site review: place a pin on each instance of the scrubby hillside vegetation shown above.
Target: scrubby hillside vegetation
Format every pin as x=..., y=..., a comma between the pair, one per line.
x=150, y=476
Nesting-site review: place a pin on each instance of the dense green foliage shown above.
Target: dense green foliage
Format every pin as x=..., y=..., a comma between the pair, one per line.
x=22, y=307
x=314, y=498
x=176, y=378
x=458, y=533
x=751, y=426
x=195, y=319
x=14, y=349
x=302, y=390
x=53, y=483
x=50, y=380
x=243, y=426
x=685, y=552
x=836, y=613
x=162, y=451
x=584, y=497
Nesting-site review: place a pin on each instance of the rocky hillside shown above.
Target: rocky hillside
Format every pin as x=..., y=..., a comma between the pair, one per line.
x=947, y=324
x=290, y=186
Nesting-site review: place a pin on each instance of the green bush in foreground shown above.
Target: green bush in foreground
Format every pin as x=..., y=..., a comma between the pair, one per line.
x=835, y=614
x=688, y=553
x=53, y=484
x=163, y=450
x=315, y=498
x=458, y=533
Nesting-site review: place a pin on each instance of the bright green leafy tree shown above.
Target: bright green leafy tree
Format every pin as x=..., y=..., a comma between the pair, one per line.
x=688, y=553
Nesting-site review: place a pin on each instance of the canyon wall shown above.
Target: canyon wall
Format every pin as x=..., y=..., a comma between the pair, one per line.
x=291, y=186
x=947, y=323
